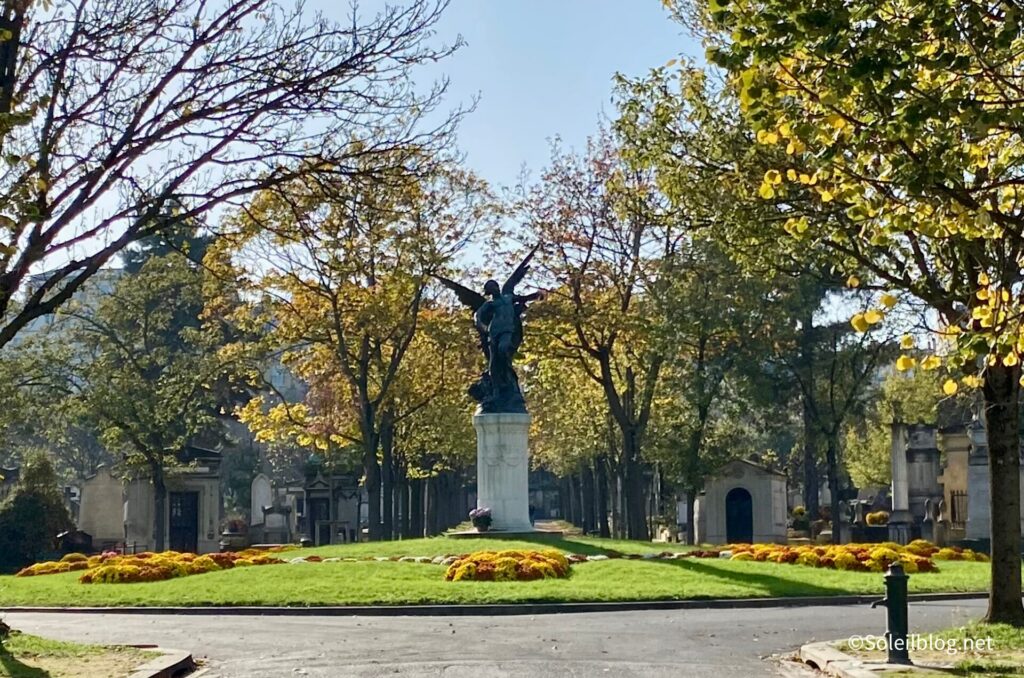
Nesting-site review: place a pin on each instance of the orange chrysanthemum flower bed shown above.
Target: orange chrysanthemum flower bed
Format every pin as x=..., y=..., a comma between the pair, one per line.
x=508, y=566
x=111, y=568
x=917, y=556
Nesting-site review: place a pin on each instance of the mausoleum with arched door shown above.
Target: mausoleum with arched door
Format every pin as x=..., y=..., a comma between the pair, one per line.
x=743, y=503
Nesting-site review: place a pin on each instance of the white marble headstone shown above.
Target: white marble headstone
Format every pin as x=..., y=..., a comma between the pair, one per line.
x=262, y=495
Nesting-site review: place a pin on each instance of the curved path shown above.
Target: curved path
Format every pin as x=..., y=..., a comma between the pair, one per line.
x=677, y=643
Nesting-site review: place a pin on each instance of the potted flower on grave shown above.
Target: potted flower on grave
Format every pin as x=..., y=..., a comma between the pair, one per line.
x=481, y=517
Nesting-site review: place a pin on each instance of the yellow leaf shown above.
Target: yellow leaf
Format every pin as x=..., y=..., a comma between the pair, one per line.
x=932, y=362
x=773, y=177
x=904, y=363
x=805, y=178
x=983, y=279
x=853, y=281
x=950, y=387
x=1010, y=359
x=907, y=342
x=972, y=381
x=791, y=174
x=859, y=323
x=888, y=300
x=826, y=195
x=874, y=316
x=671, y=62
x=766, y=191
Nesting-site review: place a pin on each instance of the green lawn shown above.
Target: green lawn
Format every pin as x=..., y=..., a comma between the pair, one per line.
x=393, y=583
x=25, y=656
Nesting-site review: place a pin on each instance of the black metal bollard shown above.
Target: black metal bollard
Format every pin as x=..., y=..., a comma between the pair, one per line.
x=897, y=624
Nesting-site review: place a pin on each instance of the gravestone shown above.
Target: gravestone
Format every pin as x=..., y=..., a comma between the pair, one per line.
x=276, y=528
x=262, y=495
x=978, y=505
x=101, y=511
x=900, y=518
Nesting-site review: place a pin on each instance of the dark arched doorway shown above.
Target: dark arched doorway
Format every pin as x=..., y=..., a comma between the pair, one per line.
x=739, y=517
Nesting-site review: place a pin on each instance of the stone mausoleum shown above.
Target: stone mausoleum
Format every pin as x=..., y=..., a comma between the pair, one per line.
x=744, y=502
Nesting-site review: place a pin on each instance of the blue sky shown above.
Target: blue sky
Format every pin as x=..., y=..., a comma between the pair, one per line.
x=542, y=68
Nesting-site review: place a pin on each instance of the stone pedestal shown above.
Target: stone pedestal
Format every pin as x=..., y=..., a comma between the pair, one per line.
x=502, y=469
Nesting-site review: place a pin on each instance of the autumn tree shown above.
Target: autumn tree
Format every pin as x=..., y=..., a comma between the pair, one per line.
x=606, y=246
x=895, y=143
x=338, y=274
x=572, y=434
x=113, y=112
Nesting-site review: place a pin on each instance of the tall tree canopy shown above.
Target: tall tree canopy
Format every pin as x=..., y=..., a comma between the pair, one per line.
x=889, y=137
x=121, y=111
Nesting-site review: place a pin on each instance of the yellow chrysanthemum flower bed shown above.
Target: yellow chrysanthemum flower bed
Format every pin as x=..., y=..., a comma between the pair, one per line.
x=917, y=556
x=111, y=568
x=508, y=566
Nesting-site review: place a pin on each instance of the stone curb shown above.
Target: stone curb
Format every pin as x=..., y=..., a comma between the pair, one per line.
x=500, y=609
x=829, y=660
x=172, y=664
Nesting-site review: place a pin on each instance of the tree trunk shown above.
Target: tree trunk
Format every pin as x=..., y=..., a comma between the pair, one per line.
x=635, y=504
x=810, y=462
x=617, y=509
x=832, y=462
x=159, y=508
x=387, y=445
x=1002, y=412
x=371, y=471
x=601, y=479
x=458, y=512
x=416, y=507
x=564, y=491
x=691, y=519
x=587, y=487
x=574, y=500
x=430, y=509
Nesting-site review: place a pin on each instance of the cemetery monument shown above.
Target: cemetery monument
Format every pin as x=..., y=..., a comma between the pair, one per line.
x=501, y=421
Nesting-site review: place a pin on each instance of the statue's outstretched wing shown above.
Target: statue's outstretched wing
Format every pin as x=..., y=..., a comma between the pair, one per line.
x=517, y=275
x=474, y=300
x=468, y=297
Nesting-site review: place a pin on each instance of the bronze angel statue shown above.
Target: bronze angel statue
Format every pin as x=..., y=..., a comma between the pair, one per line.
x=498, y=318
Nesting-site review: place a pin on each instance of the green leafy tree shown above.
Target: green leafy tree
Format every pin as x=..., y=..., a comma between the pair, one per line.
x=33, y=515
x=886, y=145
x=715, y=319
x=905, y=136
x=146, y=372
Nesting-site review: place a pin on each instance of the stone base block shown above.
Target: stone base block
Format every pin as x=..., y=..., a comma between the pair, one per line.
x=502, y=469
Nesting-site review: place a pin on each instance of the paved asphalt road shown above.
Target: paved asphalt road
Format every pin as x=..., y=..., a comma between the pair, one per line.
x=664, y=643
